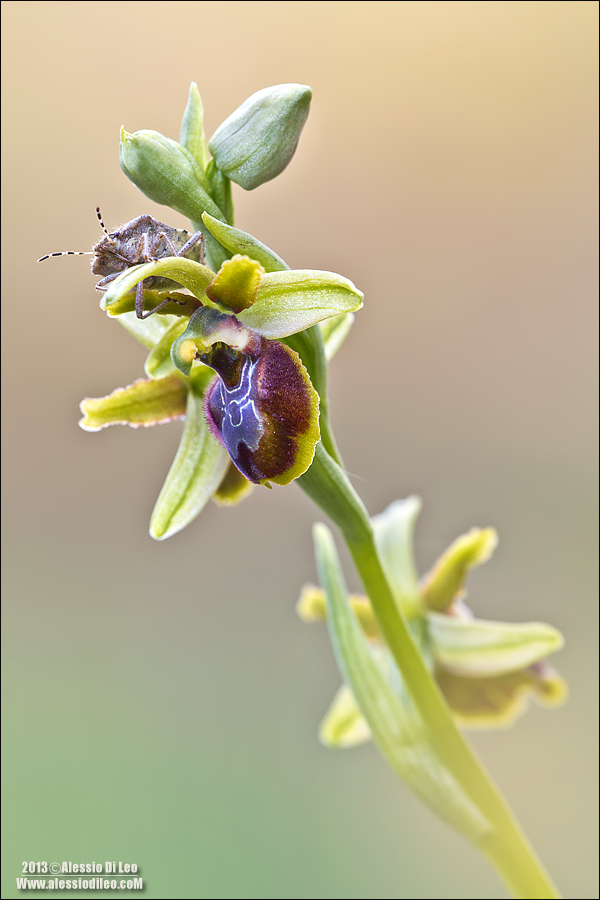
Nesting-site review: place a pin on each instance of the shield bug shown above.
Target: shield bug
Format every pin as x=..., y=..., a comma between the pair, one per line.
x=142, y=240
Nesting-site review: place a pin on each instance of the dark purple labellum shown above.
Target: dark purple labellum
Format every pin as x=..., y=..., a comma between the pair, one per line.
x=264, y=409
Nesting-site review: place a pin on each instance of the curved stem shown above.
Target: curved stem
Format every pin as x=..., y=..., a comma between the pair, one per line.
x=505, y=844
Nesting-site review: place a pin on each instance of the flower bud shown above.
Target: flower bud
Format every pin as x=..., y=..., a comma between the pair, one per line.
x=167, y=173
x=258, y=140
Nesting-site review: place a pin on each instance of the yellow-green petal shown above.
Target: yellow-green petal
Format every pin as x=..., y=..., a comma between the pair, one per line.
x=344, y=725
x=234, y=488
x=142, y=403
x=312, y=607
x=236, y=284
x=445, y=582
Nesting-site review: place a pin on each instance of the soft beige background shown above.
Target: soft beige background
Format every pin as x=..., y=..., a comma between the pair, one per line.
x=162, y=700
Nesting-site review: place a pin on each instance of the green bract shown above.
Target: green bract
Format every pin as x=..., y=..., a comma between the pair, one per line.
x=258, y=140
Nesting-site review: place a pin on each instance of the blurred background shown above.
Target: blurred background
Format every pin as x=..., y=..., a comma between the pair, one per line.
x=162, y=700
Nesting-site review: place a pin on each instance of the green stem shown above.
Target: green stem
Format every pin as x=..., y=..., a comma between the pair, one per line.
x=505, y=844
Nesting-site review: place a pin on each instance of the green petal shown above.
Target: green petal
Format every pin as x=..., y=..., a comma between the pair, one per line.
x=191, y=135
x=141, y=403
x=497, y=702
x=394, y=531
x=234, y=488
x=292, y=300
x=197, y=470
x=446, y=580
x=312, y=607
x=159, y=363
x=236, y=284
x=192, y=275
x=344, y=724
x=478, y=648
x=237, y=241
x=397, y=728
x=335, y=331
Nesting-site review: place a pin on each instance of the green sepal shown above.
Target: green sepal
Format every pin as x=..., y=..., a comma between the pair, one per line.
x=142, y=403
x=191, y=135
x=484, y=703
x=236, y=284
x=344, y=725
x=445, y=582
x=335, y=331
x=220, y=190
x=258, y=140
x=394, y=531
x=399, y=732
x=478, y=648
x=181, y=305
x=237, y=241
x=234, y=488
x=197, y=470
x=158, y=362
x=191, y=275
x=293, y=300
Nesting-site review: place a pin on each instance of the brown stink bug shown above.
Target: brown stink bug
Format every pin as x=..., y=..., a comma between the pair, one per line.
x=142, y=240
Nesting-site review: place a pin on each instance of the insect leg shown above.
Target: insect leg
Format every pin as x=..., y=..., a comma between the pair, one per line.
x=191, y=242
x=139, y=303
x=143, y=249
x=165, y=237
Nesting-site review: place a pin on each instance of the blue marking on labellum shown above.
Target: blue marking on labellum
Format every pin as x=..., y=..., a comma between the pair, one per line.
x=235, y=412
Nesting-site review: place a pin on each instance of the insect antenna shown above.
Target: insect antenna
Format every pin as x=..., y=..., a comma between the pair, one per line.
x=102, y=225
x=66, y=253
